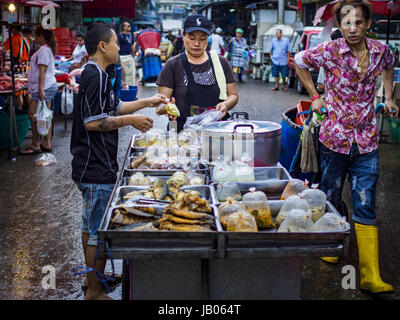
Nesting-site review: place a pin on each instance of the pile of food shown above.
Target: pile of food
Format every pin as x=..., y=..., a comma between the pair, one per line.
x=6, y=83
x=189, y=212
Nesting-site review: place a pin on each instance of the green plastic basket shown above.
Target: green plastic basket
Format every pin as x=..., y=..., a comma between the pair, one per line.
x=23, y=124
x=394, y=130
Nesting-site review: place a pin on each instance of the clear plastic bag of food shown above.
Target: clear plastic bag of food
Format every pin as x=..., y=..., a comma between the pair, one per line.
x=292, y=202
x=331, y=222
x=317, y=202
x=297, y=221
x=222, y=172
x=138, y=179
x=228, y=190
x=45, y=159
x=202, y=119
x=187, y=137
x=241, y=221
x=155, y=136
x=227, y=208
x=256, y=203
x=294, y=187
x=193, y=178
x=242, y=171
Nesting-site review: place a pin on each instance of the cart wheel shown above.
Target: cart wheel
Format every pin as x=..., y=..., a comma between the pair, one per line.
x=125, y=280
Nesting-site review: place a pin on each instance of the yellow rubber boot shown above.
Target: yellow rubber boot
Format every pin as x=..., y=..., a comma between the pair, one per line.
x=368, y=256
x=330, y=259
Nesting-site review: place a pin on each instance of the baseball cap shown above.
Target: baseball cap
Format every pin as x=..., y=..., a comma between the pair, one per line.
x=238, y=30
x=218, y=30
x=197, y=22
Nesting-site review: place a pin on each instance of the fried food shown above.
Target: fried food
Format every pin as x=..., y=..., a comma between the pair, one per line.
x=167, y=225
x=186, y=213
x=135, y=163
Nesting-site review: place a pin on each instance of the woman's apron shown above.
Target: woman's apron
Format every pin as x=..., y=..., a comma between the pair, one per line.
x=199, y=98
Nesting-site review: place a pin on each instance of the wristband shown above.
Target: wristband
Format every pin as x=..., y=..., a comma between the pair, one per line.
x=315, y=97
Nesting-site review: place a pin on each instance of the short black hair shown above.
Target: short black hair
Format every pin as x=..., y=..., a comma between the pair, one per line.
x=337, y=34
x=80, y=35
x=27, y=31
x=97, y=32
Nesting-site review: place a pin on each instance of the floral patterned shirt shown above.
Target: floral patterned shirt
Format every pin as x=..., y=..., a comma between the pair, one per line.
x=349, y=99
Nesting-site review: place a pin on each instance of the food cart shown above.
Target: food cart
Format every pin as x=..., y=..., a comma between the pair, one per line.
x=214, y=264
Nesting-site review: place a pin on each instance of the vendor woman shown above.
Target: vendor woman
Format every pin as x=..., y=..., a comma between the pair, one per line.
x=198, y=80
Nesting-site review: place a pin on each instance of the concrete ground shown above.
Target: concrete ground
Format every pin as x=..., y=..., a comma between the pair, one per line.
x=41, y=212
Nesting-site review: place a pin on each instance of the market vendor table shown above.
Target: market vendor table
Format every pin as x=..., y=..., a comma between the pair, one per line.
x=163, y=265
x=8, y=95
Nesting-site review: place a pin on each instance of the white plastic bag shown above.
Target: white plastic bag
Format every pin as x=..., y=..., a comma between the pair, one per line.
x=202, y=119
x=43, y=118
x=331, y=222
x=67, y=101
x=297, y=221
x=46, y=159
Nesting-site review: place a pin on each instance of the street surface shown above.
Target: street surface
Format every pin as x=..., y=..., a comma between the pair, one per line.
x=40, y=213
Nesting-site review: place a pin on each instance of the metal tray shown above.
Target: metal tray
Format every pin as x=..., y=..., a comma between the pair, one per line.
x=271, y=243
x=125, y=179
x=124, y=244
x=159, y=172
x=207, y=192
x=271, y=180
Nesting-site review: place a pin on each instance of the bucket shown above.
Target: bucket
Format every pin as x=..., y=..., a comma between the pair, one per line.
x=302, y=106
x=23, y=124
x=290, y=137
x=151, y=67
x=130, y=94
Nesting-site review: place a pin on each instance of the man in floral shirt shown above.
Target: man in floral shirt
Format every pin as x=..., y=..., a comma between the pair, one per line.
x=348, y=134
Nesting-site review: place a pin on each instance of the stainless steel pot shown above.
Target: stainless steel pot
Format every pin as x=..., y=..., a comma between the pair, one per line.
x=261, y=140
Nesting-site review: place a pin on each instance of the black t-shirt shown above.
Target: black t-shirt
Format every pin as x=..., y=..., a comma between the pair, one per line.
x=173, y=76
x=94, y=153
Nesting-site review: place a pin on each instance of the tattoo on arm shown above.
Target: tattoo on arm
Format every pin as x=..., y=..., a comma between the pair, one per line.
x=110, y=123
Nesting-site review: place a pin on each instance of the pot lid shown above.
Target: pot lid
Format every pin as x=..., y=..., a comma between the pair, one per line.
x=242, y=126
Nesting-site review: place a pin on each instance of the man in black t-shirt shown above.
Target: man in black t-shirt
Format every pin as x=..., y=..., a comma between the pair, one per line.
x=94, y=141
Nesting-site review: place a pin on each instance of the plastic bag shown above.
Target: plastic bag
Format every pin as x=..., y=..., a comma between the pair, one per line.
x=293, y=202
x=294, y=187
x=241, y=221
x=297, y=221
x=67, y=101
x=317, y=202
x=43, y=118
x=222, y=172
x=228, y=190
x=331, y=222
x=202, y=119
x=227, y=208
x=256, y=203
x=46, y=159
x=242, y=171
x=138, y=179
x=194, y=178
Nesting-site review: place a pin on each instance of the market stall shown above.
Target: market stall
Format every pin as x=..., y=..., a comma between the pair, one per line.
x=190, y=228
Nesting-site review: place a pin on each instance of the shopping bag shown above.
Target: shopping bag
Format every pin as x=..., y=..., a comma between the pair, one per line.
x=43, y=118
x=67, y=103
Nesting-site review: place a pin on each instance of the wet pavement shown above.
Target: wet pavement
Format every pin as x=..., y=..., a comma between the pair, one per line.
x=40, y=214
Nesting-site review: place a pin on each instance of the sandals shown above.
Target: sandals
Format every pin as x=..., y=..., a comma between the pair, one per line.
x=30, y=150
x=285, y=89
x=275, y=89
x=46, y=149
x=111, y=283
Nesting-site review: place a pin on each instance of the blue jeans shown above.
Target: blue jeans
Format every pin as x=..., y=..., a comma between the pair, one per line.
x=95, y=200
x=363, y=171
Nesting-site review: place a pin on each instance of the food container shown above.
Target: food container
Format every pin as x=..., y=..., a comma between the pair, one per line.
x=124, y=244
x=260, y=140
x=271, y=180
x=270, y=243
x=207, y=192
x=256, y=203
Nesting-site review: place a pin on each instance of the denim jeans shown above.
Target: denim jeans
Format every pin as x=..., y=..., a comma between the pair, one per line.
x=95, y=200
x=362, y=170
